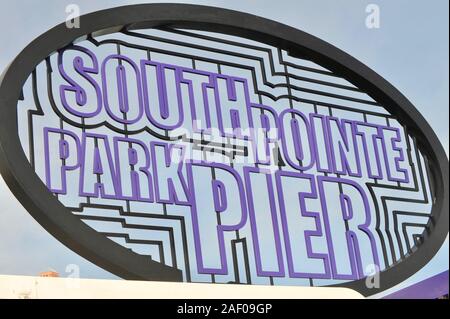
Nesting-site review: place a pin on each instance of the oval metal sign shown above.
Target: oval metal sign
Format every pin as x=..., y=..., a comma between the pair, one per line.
x=188, y=143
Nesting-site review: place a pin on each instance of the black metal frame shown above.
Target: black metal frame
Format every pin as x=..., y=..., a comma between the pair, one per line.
x=67, y=228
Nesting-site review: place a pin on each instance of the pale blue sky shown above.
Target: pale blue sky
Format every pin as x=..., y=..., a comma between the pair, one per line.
x=410, y=50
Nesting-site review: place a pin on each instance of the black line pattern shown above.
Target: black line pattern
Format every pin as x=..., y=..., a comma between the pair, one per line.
x=398, y=231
